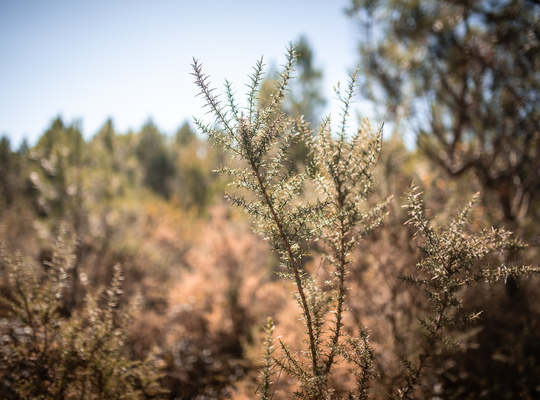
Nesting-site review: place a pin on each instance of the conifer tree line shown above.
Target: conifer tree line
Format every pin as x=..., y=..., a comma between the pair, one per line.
x=266, y=251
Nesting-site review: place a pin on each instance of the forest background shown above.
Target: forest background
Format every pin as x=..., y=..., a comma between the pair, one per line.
x=463, y=80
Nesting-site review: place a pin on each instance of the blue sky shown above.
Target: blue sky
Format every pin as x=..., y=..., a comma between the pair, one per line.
x=131, y=60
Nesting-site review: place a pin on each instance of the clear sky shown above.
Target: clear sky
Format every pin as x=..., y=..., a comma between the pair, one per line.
x=131, y=60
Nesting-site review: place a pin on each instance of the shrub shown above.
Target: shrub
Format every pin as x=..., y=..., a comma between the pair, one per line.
x=46, y=353
x=325, y=203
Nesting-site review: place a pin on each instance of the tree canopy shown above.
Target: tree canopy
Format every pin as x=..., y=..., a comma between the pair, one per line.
x=466, y=75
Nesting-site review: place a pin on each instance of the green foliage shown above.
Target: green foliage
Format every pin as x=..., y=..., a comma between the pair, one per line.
x=194, y=186
x=184, y=135
x=10, y=174
x=156, y=160
x=49, y=354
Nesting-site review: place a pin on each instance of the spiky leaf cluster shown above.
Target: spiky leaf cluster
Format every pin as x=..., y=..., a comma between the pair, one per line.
x=260, y=138
x=342, y=168
x=266, y=387
x=453, y=258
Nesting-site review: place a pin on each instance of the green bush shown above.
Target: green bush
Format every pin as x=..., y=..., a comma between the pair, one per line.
x=326, y=204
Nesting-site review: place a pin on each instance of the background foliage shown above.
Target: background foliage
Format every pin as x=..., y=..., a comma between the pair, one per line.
x=461, y=77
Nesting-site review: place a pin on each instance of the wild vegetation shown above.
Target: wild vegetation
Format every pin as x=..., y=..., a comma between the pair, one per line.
x=364, y=269
x=325, y=204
